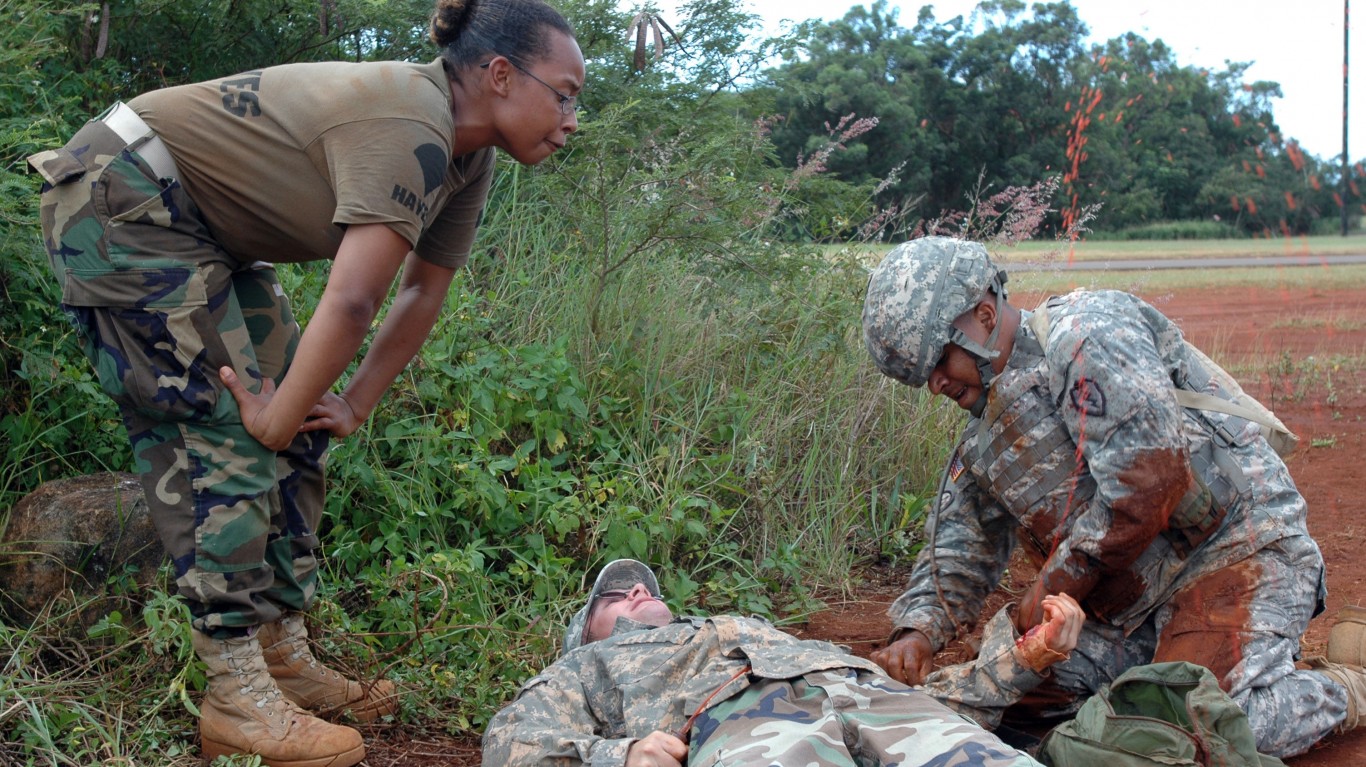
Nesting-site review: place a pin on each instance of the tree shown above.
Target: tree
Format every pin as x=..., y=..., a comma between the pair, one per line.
x=952, y=105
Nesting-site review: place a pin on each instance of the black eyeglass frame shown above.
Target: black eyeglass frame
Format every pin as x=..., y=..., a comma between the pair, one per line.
x=568, y=104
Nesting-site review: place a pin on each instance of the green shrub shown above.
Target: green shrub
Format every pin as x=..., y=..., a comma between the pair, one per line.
x=1173, y=230
x=631, y=367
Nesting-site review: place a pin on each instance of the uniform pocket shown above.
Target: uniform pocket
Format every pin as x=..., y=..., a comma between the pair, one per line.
x=137, y=288
x=141, y=243
x=149, y=222
x=154, y=361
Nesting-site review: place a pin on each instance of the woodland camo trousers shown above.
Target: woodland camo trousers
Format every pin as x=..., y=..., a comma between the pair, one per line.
x=160, y=307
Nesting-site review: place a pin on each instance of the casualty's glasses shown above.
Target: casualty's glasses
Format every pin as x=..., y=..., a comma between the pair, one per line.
x=568, y=104
x=608, y=597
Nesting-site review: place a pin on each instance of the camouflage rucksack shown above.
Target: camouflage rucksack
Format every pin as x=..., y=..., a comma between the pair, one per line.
x=1158, y=715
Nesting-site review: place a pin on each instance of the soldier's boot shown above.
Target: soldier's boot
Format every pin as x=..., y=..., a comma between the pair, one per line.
x=1347, y=639
x=317, y=688
x=1353, y=679
x=244, y=712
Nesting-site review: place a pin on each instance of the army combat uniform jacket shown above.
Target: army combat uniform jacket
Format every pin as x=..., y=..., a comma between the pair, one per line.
x=1084, y=456
x=591, y=705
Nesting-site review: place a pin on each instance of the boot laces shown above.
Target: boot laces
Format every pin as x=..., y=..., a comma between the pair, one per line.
x=254, y=680
x=297, y=637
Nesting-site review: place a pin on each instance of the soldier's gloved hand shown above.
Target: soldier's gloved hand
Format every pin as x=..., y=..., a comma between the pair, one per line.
x=908, y=659
x=1075, y=578
x=658, y=749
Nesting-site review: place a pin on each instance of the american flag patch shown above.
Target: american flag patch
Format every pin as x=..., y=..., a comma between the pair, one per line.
x=956, y=468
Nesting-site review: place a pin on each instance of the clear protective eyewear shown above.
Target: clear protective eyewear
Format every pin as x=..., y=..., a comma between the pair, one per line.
x=568, y=104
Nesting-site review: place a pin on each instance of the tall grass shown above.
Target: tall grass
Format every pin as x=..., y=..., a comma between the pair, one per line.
x=749, y=388
x=705, y=404
x=629, y=368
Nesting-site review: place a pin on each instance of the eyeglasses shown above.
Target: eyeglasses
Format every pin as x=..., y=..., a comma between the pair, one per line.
x=568, y=104
x=608, y=597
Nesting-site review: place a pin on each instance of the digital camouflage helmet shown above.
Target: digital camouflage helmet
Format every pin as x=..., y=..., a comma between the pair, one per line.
x=914, y=296
x=619, y=574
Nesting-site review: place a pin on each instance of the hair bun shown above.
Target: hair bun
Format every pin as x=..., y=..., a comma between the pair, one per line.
x=449, y=19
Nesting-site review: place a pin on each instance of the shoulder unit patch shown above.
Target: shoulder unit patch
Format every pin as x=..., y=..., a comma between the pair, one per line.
x=1088, y=397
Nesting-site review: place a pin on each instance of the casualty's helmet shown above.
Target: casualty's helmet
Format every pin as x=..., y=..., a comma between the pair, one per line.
x=914, y=296
x=618, y=574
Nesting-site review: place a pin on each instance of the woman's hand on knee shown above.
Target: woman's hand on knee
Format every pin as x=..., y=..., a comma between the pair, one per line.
x=253, y=407
x=335, y=413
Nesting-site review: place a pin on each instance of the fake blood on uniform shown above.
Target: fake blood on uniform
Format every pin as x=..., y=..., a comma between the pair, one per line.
x=1209, y=619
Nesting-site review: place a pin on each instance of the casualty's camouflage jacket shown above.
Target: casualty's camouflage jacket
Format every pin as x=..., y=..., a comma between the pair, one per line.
x=1083, y=454
x=593, y=703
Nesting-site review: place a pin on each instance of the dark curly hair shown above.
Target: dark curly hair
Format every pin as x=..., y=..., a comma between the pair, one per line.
x=469, y=30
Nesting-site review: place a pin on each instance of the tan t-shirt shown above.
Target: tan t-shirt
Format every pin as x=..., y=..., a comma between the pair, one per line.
x=280, y=159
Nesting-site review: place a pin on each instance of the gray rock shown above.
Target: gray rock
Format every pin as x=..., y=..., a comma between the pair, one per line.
x=69, y=536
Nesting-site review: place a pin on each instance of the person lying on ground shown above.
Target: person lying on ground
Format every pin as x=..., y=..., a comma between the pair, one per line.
x=636, y=686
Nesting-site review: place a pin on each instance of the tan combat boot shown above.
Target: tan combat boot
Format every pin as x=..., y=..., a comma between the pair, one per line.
x=243, y=712
x=1353, y=679
x=307, y=682
x=1347, y=639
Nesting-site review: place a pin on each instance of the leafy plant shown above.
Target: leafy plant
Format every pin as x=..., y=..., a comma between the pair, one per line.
x=634, y=365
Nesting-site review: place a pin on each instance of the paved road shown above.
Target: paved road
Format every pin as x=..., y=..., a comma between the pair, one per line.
x=1186, y=263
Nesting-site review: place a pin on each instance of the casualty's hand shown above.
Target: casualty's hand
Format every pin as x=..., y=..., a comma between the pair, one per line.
x=1055, y=638
x=658, y=749
x=908, y=659
x=333, y=413
x=252, y=406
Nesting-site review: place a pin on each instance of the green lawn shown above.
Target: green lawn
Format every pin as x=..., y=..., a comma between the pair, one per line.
x=1323, y=245
x=1085, y=250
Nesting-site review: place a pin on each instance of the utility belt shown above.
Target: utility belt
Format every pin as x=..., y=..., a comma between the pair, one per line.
x=117, y=128
x=128, y=126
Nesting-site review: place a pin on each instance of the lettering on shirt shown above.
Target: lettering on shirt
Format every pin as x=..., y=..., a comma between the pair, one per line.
x=405, y=197
x=432, y=160
x=240, y=95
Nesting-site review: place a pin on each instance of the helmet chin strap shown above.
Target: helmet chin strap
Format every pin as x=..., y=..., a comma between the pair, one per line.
x=983, y=355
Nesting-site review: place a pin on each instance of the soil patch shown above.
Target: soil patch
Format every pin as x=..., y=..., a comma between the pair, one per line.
x=1302, y=351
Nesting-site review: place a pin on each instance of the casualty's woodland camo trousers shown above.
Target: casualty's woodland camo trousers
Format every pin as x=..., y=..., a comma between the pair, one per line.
x=160, y=307
x=841, y=717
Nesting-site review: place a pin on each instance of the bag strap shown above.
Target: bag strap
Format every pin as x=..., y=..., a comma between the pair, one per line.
x=1203, y=401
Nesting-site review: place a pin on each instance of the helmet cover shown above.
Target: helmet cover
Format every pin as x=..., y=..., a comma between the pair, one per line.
x=914, y=296
x=618, y=575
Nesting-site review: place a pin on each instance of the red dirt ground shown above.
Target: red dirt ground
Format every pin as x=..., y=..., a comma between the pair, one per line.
x=1327, y=411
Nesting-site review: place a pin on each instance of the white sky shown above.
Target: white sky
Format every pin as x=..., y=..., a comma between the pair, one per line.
x=1298, y=44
